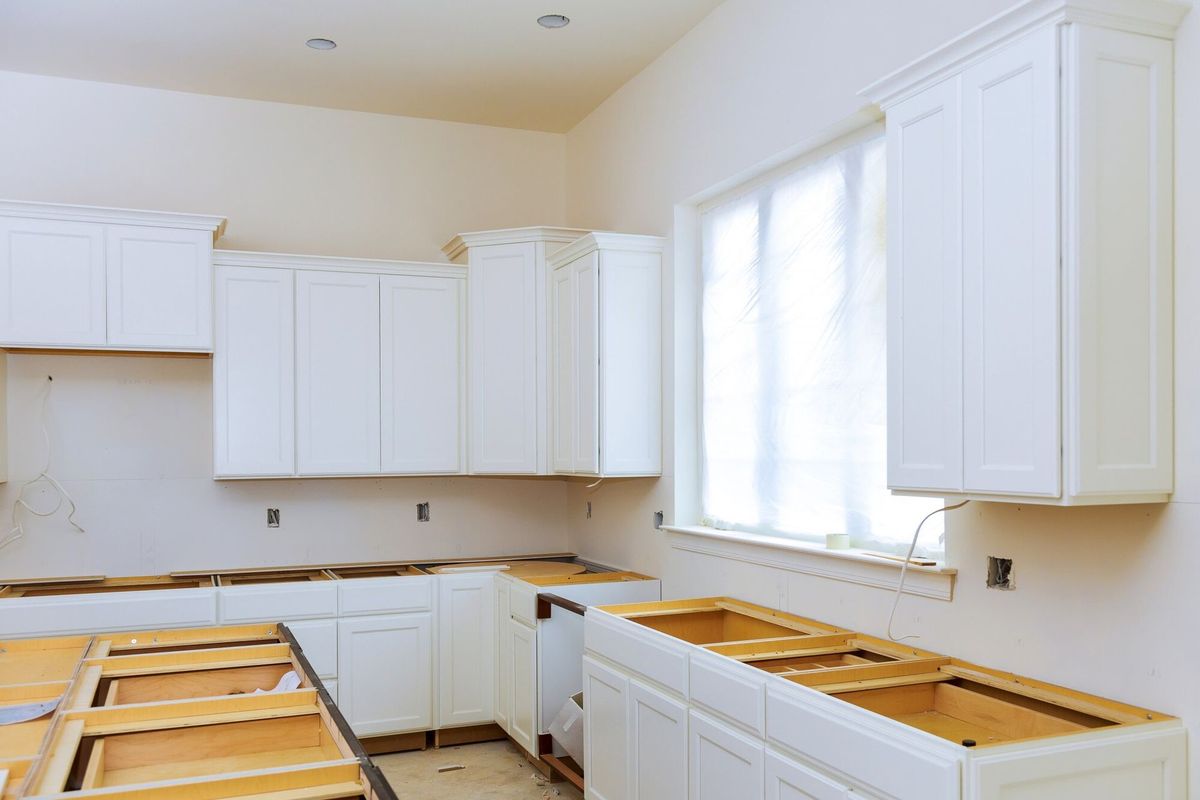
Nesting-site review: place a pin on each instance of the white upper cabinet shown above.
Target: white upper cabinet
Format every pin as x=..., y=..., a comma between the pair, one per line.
x=607, y=356
x=105, y=279
x=1030, y=258
x=507, y=341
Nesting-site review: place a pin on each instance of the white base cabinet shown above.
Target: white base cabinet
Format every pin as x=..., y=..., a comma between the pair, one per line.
x=606, y=731
x=790, y=780
x=658, y=745
x=522, y=672
x=723, y=762
x=385, y=667
x=466, y=633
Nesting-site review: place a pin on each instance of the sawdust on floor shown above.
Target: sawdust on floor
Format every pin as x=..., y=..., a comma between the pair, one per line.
x=493, y=771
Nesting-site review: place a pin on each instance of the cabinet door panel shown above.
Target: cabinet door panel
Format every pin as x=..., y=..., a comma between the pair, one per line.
x=562, y=370
x=421, y=373
x=585, y=408
x=605, y=732
x=1011, y=279
x=658, y=745
x=51, y=283
x=318, y=640
x=925, y=292
x=385, y=673
x=159, y=288
x=254, y=372
x=523, y=673
x=503, y=681
x=503, y=380
x=466, y=649
x=788, y=780
x=723, y=764
x=337, y=373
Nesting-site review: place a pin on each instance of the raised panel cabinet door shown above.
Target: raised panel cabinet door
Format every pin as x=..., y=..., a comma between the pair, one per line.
x=466, y=649
x=254, y=381
x=658, y=745
x=586, y=391
x=51, y=283
x=1011, y=405
x=925, y=291
x=562, y=370
x=524, y=716
x=385, y=673
x=422, y=371
x=318, y=639
x=159, y=288
x=337, y=373
x=502, y=324
x=605, y=732
x=789, y=780
x=723, y=763
x=503, y=680
x=1119, y=259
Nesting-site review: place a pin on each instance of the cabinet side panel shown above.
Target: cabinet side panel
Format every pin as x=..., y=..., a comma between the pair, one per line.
x=1119, y=260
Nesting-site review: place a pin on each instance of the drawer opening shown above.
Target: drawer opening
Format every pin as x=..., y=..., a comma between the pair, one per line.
x=187, y=685
x=714, y=626
x=255, y=578
x=106, y=587
x=793, y=664
x=960, y=711
x=405, y=571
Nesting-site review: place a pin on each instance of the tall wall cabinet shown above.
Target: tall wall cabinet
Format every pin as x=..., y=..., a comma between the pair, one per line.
x=337, y=367
x=1030, y=257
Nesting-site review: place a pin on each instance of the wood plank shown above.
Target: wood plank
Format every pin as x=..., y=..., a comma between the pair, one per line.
x=878, y=683
x=105, y=720
x=191, y=744
x=566, y=767
x=129, y=642
x=855, y=673
x=84, y=688
x=200, y=683
x=1013, y=721
x=778, y=646
x=94, y=774
x=61, y=755
x=176, y=661
x=21, y=693
x=775, y=617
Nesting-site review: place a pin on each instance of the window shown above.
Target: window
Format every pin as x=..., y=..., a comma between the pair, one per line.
x=793, y=319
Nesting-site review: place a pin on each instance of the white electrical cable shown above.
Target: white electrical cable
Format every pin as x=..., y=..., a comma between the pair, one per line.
x=42, y=477
x=904, y=570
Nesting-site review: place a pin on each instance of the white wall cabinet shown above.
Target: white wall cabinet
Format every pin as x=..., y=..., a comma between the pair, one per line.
x=106, y=279
x=466, y=649
x=1030, y=313
x=607, y=356
x=386, y=673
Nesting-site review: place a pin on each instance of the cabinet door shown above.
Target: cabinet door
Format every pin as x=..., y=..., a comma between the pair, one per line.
x=503, y=364
x=337, y=373
x=254, y=372
x=318, y=640
x=159, y=288
x=385, y=673
x=585, y=286
x=723, y=763
x=1011, y=440
x=605, y=732
x=466, y=649
x=51, y=283
x=523, y=719
x=789, y=780
x=658, y=745
x=421, y=327
x=503, y=682
x=562, y=370
x=924, y=292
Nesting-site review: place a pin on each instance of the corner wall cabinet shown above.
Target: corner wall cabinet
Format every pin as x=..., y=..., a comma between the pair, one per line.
x=606, y=356
x=329, y=366
x=1030, y=212
x=83, y=277
x=508, y=325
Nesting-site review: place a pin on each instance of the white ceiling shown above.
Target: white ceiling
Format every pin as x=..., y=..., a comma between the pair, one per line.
x=481, y=61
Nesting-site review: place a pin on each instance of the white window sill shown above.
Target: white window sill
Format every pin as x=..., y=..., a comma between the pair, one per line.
x=853, y=566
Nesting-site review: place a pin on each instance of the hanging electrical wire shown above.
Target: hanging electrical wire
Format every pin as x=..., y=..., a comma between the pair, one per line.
x=904, y=570
x=45, y=477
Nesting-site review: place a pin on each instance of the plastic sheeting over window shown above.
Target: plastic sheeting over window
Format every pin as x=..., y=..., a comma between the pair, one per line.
x=794, y=357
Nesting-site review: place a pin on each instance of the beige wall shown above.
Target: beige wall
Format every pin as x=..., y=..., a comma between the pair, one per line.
x=132, y=436
x=1104, y=595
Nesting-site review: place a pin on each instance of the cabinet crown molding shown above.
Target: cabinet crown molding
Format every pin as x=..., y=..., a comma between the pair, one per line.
x=537, y=233
x=605, y=240
x=117, y=216
x=246, y=258
x=1160, y=18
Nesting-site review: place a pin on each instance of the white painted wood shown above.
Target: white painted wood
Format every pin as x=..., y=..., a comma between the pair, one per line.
x=69, y=614
x=722, y=762
x=337, y=373
x=466, y=633
x=658, y=745
x=331, y=686
x=319, y=640
x=503, y=335
x=422, y=374
x=1118, y=261
x=562, y=371
x=502, y=708
x=385, y=673
x=585, y=372
x=359, y=596
x=1010, y=285
x=790, y=780
x=52, y=283
x=605, y=732
x=254, y=398
x=271, y=602
x=729, y=689
x=160, y=288
x=652, y=655
x=924, y=291
x=523, y=673
x=522, y=602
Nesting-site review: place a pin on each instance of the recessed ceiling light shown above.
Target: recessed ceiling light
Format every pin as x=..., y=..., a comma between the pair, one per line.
x=321, y=44
x=554, y=21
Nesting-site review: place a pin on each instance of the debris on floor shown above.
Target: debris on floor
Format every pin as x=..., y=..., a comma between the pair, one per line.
x=452, y=767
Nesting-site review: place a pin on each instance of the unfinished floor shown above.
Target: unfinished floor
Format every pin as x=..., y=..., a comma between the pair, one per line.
x=493, y=771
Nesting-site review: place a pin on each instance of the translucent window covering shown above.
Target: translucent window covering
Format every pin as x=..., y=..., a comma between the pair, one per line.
x=793, y=338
